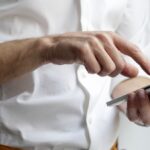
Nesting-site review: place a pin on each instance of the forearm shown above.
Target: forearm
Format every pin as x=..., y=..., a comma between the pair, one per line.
x=128, y=86
x=19, y=57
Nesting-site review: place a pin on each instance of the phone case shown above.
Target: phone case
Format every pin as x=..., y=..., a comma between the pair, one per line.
x=123, y=98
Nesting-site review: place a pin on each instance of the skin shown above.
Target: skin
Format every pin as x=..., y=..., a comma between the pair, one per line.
x=137, y=107
x=100, y=52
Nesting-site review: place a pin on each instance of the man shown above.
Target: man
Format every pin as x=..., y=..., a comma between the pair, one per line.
x=62, y=104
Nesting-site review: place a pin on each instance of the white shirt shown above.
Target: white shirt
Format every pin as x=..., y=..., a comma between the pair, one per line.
x=63, y=107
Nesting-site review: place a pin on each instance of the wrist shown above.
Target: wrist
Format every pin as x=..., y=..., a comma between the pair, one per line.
x=44, y=46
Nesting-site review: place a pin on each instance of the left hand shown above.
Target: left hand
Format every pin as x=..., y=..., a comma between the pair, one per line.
x=138, y=107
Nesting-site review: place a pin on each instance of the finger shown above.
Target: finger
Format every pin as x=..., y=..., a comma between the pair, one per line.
x=105, y=61
x=132, y=107
x=89, y=60
x=143, y=106
x=115, y=55
x=121, y=66
x=148, y=94
x=143, y=100
x=107, y=64
x=129, y=70
x=131, y=50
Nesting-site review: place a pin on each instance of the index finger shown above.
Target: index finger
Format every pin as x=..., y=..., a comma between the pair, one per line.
x=133, y=51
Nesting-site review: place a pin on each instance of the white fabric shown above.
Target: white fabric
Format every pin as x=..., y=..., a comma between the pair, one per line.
x=62, y=107
x=135, y=27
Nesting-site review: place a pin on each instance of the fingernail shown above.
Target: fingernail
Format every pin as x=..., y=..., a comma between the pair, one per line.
x=102, y=73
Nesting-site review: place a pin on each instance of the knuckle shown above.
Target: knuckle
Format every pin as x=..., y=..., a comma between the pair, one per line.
x=120, y=66
x=92, y=39
x=85, y=48
x=136, y=47
x=136, y=50
x=85, y=45
x=110, y=68
x=104, y=37
x=43, y=42
x=111, y=33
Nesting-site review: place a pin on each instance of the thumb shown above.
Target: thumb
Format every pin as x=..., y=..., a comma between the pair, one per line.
x=130, y=70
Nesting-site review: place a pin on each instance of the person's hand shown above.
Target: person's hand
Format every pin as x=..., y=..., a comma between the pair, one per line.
x=100, y=52
x=138, y=107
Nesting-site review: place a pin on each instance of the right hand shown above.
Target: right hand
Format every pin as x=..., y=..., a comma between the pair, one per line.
x=100, y=52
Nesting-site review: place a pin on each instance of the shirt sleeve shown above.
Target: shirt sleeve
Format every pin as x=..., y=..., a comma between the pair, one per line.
x=135, y=28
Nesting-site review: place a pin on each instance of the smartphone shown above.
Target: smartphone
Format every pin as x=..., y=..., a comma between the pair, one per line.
x=123, y=98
